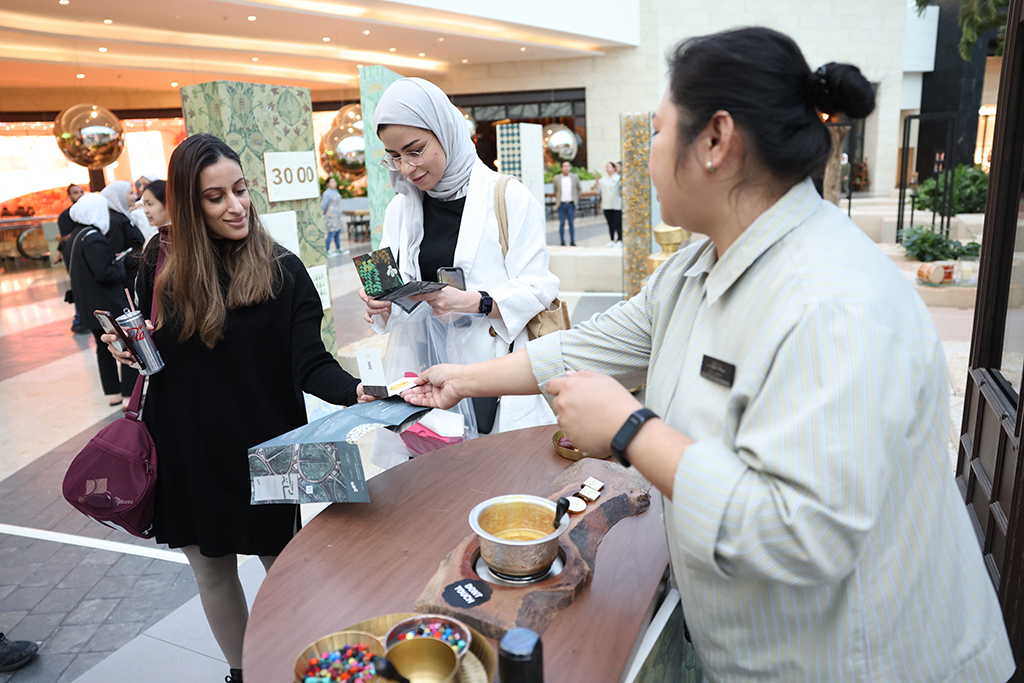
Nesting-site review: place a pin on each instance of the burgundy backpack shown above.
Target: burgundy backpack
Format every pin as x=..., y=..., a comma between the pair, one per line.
x=113, y=479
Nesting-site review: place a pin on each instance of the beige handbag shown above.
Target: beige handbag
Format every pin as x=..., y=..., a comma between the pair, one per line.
x=556, y=317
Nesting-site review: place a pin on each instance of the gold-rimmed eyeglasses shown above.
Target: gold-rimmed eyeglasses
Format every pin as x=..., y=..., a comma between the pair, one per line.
x=394, y=163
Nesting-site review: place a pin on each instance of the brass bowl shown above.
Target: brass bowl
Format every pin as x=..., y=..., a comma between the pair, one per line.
x=572, y=453
x=424, y=660
x=460, y=630
x=517, y=533
x=333, y=642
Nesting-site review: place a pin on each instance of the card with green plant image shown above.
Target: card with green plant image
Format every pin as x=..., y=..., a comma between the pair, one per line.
x=380, y=277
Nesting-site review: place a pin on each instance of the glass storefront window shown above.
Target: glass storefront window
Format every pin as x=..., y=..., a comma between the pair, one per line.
x=1013, y=338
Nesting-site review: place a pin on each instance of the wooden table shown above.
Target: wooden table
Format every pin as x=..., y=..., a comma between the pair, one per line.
x=357, y=561
x=358, y=224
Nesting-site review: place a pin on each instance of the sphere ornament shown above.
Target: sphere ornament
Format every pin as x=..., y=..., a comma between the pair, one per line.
x=470, y=121
x=561, y=142
x=343, y=152
x=89, y=135
x=350, y=116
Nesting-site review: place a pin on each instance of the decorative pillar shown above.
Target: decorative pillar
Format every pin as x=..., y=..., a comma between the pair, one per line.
x=253, y=119
x=521, y=155
x=635, y=133
x=373, y=81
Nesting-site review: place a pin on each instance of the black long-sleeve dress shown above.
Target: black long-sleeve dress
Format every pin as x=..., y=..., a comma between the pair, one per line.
x=207, y=407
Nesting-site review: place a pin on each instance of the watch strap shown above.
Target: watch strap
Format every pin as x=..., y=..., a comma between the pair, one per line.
x=486, y=302
x=626, y=434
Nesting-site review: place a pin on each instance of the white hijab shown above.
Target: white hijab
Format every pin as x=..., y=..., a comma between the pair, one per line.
x=421, y=104
x=116, y=194
x=92, y=210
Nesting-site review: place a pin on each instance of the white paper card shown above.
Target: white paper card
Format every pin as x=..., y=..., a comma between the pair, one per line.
x=291, y=175
x=443, y=423
x=371, y=367
x=318, y=274
x=284, y=228
x=275, y=486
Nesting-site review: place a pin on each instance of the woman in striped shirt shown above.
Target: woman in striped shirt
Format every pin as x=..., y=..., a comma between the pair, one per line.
x=814, y=526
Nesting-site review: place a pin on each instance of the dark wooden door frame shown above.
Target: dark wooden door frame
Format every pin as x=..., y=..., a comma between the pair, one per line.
x=989, y=400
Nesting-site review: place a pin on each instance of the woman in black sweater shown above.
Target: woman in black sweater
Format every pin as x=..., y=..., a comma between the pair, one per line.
x=237, y=322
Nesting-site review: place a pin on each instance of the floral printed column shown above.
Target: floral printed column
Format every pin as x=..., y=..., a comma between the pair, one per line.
x=254, y=118
x=635, y=133
x=373, y=81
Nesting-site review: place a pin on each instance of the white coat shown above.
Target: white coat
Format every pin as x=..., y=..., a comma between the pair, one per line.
x=520, y=283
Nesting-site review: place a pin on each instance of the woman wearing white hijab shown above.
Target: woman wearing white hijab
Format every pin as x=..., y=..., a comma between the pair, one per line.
x=123, y=233
x=97, y=283
x=444, y=216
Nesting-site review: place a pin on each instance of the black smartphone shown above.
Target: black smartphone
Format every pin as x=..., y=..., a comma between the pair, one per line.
x=453, y=277
x=122, y=343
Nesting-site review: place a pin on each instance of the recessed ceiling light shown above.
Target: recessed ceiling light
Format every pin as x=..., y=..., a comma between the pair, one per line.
x=251, y=17
x=326, y=39
x=423, y=54
x=255, y=59
x=359, y=66
x=63, y=2
x=522, y=49
x=465, y=61
x=102, y=49
x=366, y=32
x=392, y=49
x=79, y=75
x=440, y=40
x=108, y=21
x=174, y=84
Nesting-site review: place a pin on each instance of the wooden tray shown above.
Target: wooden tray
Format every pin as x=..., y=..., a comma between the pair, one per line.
x=478, y=665
x=535, y=606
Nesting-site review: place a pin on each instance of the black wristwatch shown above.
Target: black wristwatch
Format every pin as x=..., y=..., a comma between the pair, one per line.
x=486, y=303
x=625, y=435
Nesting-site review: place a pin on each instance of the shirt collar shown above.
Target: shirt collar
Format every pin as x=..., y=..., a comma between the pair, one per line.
x=771, y=226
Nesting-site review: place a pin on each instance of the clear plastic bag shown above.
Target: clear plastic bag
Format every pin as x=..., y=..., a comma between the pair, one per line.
x=420, y=340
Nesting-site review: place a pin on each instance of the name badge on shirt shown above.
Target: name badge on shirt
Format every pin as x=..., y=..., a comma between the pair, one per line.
x=717, y=371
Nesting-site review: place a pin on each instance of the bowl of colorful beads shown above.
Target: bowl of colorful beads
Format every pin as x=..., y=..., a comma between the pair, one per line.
x=437, y=626
x=342, y=656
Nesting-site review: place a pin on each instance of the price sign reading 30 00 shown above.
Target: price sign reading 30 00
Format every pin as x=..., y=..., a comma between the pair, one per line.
x=291, y=175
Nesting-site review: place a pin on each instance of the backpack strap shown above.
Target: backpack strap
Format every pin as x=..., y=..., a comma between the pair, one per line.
x=501, y=212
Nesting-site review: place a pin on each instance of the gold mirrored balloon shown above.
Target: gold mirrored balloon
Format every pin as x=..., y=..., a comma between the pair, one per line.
x=561, y=142
x=470, y=121
x=350, y=116
x=89, y=135
x=343, y=152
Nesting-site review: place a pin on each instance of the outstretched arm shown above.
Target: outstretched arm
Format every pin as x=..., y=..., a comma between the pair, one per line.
x=445, y=385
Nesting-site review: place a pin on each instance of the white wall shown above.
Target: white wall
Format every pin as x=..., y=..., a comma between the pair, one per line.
x=921, y=34
x=868, y=33
x=612, y=22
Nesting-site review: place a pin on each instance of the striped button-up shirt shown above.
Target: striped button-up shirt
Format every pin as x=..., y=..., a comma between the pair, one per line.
x=815, y=529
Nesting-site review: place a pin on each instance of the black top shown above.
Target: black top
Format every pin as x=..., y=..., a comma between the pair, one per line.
x=124, y=235
x=207, y=407
x=441, y=222
x=97, y=281
x=66, y=226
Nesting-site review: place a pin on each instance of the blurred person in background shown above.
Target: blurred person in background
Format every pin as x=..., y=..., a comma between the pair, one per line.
x=97, y=283
x=334, y=219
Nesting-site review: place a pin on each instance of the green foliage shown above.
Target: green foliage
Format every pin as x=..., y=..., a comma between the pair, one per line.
x=924, y=245
x=555, y=169
x=345, y=187
x=970, y=192
x=978, y=17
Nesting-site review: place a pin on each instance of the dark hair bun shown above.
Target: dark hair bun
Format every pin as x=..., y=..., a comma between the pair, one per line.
x=841, y=88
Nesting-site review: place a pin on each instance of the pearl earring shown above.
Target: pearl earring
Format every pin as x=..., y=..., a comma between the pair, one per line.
x=711, y=166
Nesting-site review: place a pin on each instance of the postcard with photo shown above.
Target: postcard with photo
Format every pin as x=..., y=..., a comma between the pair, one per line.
x=380, y=277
